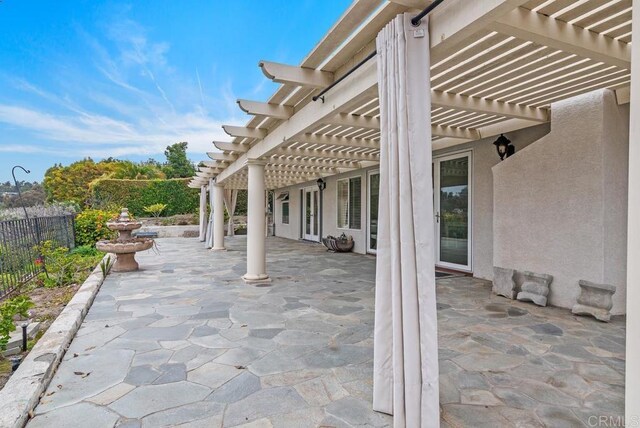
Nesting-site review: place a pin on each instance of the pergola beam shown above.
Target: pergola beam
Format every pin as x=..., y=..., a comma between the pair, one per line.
x=540, y=29
x=209, y=170
x=214, y=164
x=328, y=163
x=354, y=121
x=361, y=85
x=481, y=105
x=231, y=147
x=452, y=132
x=328, y=154
x=351, y=120
x=244, y=132
x=204, y=174
x=318, y=169
x=360, y=143
x=297, y=76
x=412, y=4
x=226, y=157
x=275, y=111
x=453, y=22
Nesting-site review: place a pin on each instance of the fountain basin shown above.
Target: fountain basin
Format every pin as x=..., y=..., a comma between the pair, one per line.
x=125, y=252
x=125, y=246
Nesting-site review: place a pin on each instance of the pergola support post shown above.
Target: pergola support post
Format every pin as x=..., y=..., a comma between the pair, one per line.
x=256, y=250
x=203, y=213
x=218, y=217
x=632, y=370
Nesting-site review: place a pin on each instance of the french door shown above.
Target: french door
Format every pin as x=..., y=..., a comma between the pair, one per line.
x=372, y=212
x=452, y=206
x=311, y=210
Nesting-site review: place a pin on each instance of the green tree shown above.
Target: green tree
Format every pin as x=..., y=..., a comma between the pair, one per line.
x=178, y=165
x=136, y=171
x=73, y=183
x=34, y=196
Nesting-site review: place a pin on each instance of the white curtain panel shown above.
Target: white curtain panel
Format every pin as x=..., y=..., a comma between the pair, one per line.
x=230, y=199
x=209, y=238
x=405, y=337
x=203, y=213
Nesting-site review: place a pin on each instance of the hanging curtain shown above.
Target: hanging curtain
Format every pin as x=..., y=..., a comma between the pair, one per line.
x=203, y=213
x=405, y=337
x=230, y=199
x=209, y=239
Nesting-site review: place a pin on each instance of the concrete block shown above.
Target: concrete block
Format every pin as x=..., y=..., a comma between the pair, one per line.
x=595, y=300
x=504, y=283
x=535, y=288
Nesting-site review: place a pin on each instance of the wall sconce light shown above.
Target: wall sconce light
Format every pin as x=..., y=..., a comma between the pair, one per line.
x=321, y=184
x=504, y=147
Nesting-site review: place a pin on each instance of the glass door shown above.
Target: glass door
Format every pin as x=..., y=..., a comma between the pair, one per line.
x=311, y=217
x=452, y=206
x=374, y=194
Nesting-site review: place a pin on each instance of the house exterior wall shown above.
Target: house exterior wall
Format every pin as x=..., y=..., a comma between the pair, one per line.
x=484, y=157
x=632, y=368
x=329, y=210
x=560, y=204
x=586, y=147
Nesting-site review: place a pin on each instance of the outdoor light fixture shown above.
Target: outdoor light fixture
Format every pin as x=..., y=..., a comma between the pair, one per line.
x=504, y=147
x=321, y=184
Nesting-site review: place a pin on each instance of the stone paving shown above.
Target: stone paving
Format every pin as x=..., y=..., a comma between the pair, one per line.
x=184, y=342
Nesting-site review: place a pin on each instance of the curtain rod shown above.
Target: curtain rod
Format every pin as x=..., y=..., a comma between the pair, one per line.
x=415, y=21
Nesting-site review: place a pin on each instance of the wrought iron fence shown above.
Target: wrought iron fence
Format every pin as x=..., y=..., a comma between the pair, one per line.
x=19, y=257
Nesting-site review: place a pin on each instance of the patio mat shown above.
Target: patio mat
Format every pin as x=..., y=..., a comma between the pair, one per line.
x=443, y=274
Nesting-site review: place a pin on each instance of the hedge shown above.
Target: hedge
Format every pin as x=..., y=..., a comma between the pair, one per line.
x=137, y=194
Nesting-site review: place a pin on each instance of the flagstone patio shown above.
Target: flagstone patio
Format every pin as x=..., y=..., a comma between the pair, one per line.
x=184, y=342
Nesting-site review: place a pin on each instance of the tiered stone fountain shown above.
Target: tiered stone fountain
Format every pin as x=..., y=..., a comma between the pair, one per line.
x=125, y=246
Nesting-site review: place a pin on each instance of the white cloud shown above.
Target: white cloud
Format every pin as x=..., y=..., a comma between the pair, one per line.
x=112, y=111
x=98, y=134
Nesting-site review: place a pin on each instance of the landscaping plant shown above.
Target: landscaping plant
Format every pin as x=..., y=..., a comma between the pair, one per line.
x=155, y=209
x=66, y=267
x=91, y=226
x=8, y=310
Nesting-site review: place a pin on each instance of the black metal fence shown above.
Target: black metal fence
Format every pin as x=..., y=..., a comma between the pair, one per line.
x=19, y=257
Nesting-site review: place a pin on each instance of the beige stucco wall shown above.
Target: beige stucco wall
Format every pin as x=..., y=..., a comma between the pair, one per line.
x=329, y=210
x=632, y=369
x=560, y=203
x=484, y=157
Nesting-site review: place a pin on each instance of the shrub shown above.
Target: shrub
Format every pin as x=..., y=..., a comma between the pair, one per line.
x=8, y=310
x=91, y=226
x=155, y=209
x=85, y=251
x=59, y=268
x=138, y=194
x=66, y=267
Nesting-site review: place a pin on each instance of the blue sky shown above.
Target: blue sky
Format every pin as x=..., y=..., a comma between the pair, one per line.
x=125, y=79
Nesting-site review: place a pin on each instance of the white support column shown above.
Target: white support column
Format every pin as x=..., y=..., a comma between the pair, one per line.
x=256, y=256
x=203, y=213
x=218, y=217
x=632, y=371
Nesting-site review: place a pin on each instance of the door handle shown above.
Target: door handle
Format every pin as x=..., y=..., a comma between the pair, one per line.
x=437, y=217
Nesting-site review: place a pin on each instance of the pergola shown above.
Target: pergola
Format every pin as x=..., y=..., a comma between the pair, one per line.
x=497, y=65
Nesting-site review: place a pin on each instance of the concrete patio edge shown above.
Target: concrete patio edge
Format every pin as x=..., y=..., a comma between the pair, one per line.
x=22, y=392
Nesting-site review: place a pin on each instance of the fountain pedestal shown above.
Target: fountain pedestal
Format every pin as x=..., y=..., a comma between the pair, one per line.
x=125, y=246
